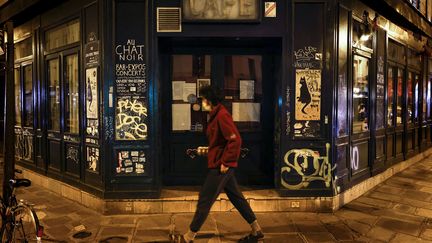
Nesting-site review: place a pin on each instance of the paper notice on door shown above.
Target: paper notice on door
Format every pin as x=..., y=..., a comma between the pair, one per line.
x=181, y=117
x=246, y=112
x=177, y=90
x=247, y=89
x=189, y=89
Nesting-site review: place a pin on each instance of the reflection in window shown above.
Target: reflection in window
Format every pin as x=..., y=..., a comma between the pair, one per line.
x=17, y=93
x=428, y=97
x=28, y=96
x=360, y=94
x=243, y=87
x=71, y=87
x=390, y=97
x=54, y=94
x=63, y=35
x=416, y=97
x=362, y=36
x=189, y=72
x=425, y=100
x=399, y=96
x=23, y=48
x=410, y=97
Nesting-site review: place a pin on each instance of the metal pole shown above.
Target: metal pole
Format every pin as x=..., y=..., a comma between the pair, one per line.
x=9, y=113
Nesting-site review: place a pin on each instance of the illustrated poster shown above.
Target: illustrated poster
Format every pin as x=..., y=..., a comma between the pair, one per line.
x=91, y=93
x=308, y=95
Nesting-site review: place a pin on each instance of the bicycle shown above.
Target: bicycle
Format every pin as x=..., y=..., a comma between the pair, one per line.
x=19, y=220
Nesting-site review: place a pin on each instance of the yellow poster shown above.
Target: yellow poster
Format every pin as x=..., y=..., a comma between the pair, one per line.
x=308, y=95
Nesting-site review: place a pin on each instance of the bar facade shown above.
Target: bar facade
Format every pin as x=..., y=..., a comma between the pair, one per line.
x=326, y=94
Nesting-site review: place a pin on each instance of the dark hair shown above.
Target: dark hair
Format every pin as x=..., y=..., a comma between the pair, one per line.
x=213, y=94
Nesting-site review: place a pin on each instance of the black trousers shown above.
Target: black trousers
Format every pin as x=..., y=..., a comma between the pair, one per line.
x=213, y=185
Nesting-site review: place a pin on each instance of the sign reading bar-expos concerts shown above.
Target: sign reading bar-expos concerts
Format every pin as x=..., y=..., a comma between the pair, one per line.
x=131, y=91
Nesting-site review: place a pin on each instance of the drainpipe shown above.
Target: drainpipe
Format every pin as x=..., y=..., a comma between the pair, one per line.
x=9, y=114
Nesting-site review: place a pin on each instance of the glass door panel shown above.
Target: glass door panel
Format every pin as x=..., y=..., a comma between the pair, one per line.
x=17, y=94
x=28, y=96
x=243, y=90
x=54, y=94
x=189, y=73
x=390, y=97
x=399, y=96
x=71, y=86
x=410, y=106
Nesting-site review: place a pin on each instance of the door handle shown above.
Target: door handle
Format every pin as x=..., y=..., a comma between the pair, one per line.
x=192, y=153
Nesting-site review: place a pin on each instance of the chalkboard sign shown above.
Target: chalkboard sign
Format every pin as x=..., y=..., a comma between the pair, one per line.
x=130, y=69
x=130, y=85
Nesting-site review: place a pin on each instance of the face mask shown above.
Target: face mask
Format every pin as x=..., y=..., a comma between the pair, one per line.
x=205, y=105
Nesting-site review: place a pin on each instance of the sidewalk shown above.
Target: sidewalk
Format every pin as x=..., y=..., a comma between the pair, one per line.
x=398, y=210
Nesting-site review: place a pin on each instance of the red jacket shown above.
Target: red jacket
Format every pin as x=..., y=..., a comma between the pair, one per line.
x=224, y=139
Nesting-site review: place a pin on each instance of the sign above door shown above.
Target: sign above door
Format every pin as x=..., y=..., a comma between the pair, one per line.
x=221, y=11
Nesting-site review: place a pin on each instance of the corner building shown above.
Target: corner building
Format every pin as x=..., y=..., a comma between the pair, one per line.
x=326, y=94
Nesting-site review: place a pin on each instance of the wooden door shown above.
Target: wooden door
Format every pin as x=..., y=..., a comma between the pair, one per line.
x=246, y=78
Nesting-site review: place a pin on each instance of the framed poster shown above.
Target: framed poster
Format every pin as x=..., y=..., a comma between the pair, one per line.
x=91, y=93
x=201, y=83
x=177, y=90
x=308, y=95
x=221, y=11
x=93, y=159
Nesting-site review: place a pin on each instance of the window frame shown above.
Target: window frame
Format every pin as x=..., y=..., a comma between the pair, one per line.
x=24, y=102
x=392, y=67
x=368, y=55
x=67, y=46
x=64, y=55
x=47, y=84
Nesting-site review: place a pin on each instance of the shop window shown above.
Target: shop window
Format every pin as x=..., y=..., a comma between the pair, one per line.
x=360, y=121
x=342, y=121
x=429, y=10
x=243, y=90
x=71, y=86
x=414, y=59
x=362, y=35
x=390, y=97
x=63, y=35
x=399, y=97
x=428, y=97
x=28, y=95
x=416, y=97
x=410, y=106
x=23, y=48
x=415, y=3
x=17, y=93
x=425, y=100
x=189, y=73
x=54, y=94
x=396, y=52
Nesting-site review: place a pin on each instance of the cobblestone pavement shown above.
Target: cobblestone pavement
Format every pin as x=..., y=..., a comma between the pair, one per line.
x=398, y=210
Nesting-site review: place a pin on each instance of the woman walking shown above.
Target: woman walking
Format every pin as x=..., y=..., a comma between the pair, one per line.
x=222, y=155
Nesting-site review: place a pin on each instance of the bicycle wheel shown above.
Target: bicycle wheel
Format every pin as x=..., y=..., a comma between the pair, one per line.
x=26, y=225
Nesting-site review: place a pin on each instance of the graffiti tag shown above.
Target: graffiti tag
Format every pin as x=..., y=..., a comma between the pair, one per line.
x=305, y=166
x=130, y=119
